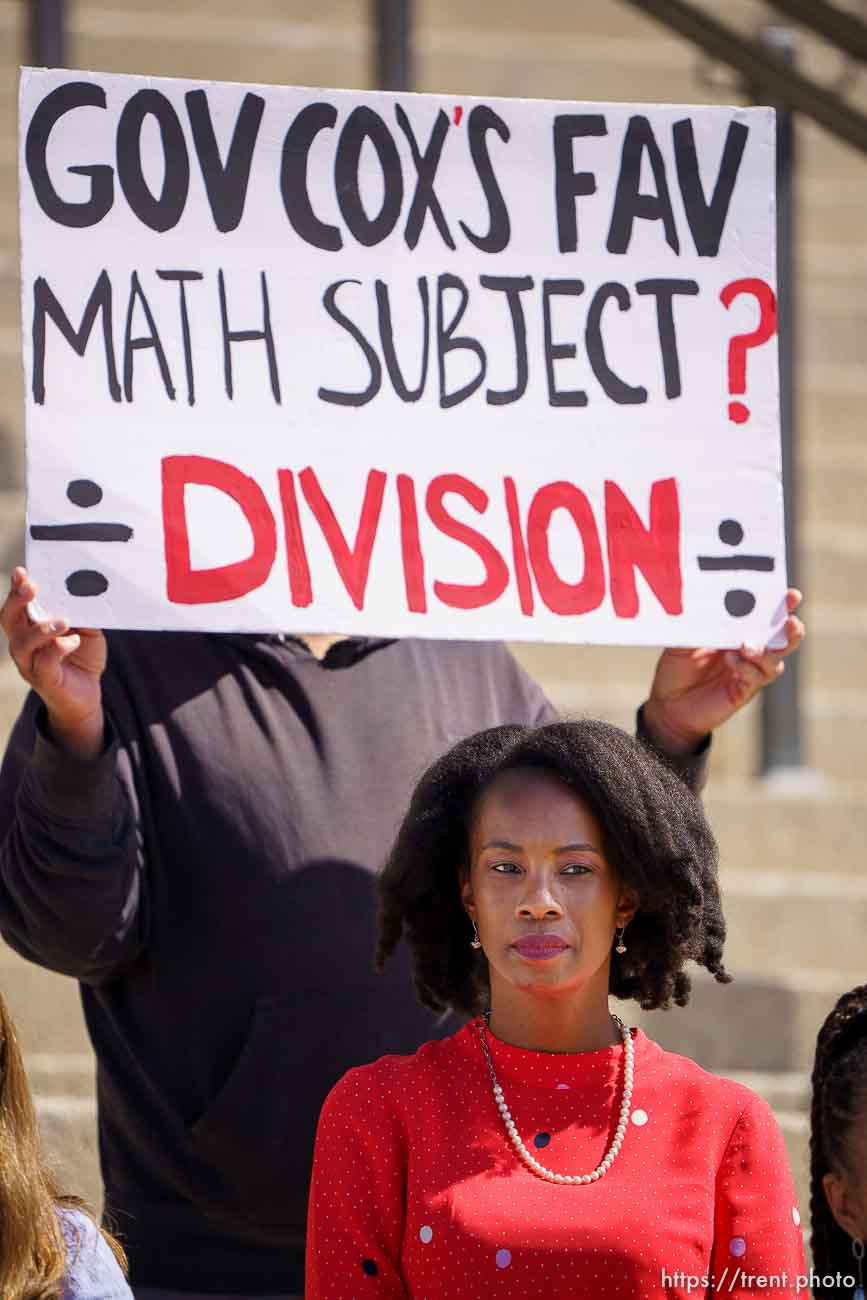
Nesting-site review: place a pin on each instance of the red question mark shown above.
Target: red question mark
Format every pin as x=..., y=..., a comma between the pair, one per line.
x=741, y=343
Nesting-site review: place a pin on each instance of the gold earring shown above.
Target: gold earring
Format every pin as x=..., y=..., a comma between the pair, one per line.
x=621, y=946
x=475, y=942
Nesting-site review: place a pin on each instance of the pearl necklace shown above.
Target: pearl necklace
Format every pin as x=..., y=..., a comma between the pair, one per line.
x=530, y=1161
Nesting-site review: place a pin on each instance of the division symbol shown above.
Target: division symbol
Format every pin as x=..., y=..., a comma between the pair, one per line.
x=738, y=602
x=84, y=493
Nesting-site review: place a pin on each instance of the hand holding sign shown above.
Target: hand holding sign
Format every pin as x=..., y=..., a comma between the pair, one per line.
x=63, y=666
x=696, y=691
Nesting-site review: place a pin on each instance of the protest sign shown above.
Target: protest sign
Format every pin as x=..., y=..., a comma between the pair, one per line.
x=421, y=365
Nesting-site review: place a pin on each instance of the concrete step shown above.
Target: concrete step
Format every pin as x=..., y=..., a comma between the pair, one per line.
x=61, y=1074
x=828, y=384
x=69, y=1135
x=490, y=62
x=11, y=532
x=800, y=833
x=45, y=1007
x=831, y=267
x=559, y=667
x=11, y=462
x=122, y=20
x=555, y=19
x=834, y=484
x=10, y=296
x=11, y=418
x=821, y=154
x=833, y=736
x=12, y=24
x=837, y=285
x=12, y=693
x=831, y=402
x=176, y=43
x=765, y=1020
x=8, y=211
x=833, y=561
x=775, y=918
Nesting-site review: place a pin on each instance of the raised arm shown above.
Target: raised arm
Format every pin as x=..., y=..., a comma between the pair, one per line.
x=695, y=691
x=70, y=859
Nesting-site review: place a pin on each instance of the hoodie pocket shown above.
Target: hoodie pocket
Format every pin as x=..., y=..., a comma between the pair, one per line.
x=255, y=1140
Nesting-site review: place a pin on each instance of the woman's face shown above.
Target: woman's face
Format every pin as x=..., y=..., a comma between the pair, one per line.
x=544, y=898
x=846, y=1190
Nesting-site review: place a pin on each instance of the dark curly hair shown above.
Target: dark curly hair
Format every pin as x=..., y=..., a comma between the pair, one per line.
x=839, y=1100
x=655, y=836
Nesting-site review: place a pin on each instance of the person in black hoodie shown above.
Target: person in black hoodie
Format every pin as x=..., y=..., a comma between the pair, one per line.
x=189, y=826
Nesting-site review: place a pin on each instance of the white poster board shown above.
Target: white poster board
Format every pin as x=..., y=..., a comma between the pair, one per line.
x=315, y=360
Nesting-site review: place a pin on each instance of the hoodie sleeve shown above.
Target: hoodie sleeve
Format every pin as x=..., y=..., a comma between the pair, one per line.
x=692, y=768
x=71, y=861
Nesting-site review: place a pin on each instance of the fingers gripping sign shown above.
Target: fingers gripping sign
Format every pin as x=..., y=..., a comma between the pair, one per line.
x=767, y=663
x=63, y=665
x=695, y=691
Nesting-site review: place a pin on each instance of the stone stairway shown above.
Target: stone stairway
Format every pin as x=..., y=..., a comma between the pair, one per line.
x=795, y=889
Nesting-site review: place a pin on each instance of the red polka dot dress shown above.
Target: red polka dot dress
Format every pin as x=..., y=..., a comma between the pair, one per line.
x=418, y=1192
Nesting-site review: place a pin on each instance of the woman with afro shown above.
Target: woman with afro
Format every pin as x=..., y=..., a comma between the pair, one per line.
x=546, y=1149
